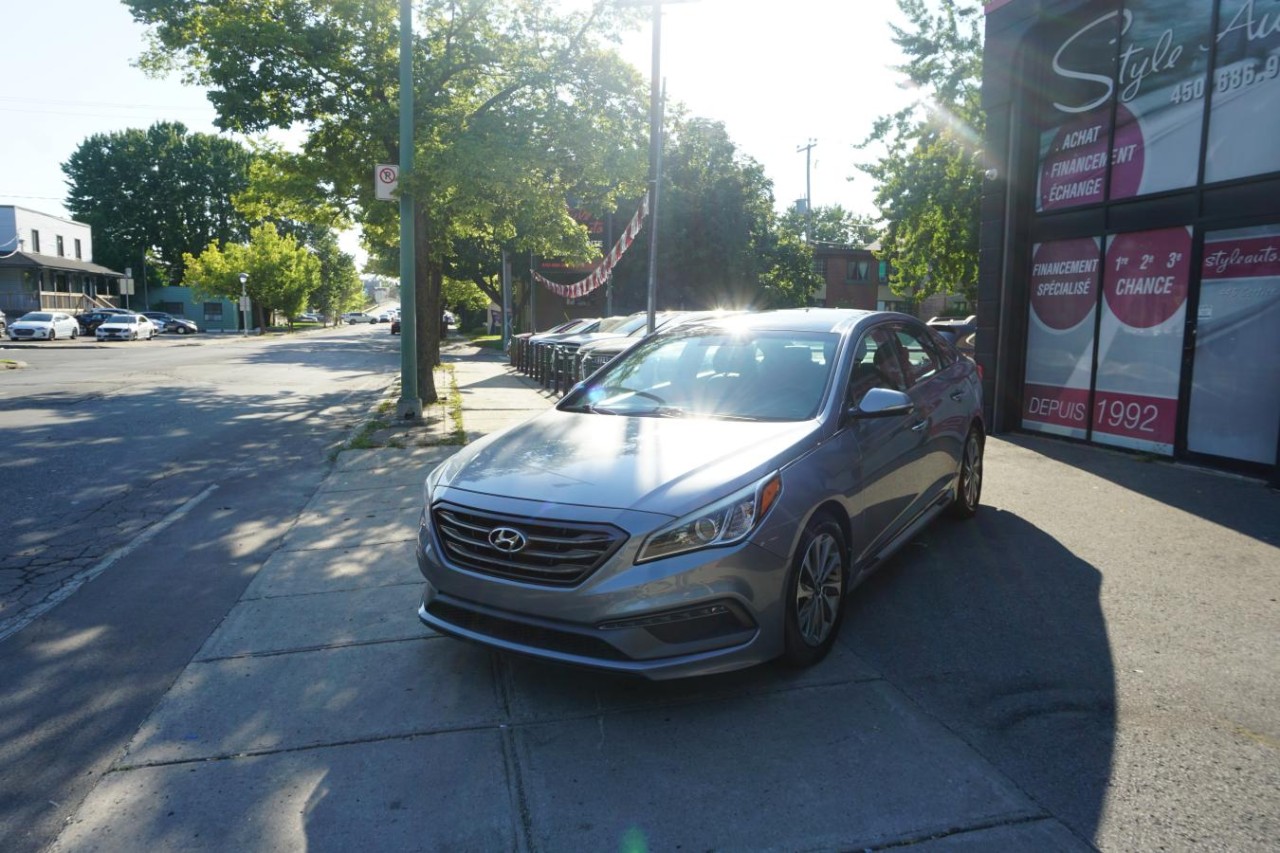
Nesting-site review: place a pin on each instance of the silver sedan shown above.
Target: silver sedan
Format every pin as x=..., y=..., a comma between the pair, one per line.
x=708, y=501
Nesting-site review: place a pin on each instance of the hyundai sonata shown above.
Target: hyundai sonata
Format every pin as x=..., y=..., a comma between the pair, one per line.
x=708, y=500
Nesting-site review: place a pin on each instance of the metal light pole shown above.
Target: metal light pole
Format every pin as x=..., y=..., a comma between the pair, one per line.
x=244, y=305
x=410, y=405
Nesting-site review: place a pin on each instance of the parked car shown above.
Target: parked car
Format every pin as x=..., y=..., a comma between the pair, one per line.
x=165, y=322
x=44, y=325
x=126, y=327
x=960, y=332
x=594, y=354
x=308, y=317
x=706, y=501
x=4, y=323
x=356, y=317
x=89, y=321
x=395, y=326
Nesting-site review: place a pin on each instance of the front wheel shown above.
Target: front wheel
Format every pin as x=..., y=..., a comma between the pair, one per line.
x=969, y=478
x=53, y=334
x=182, y=330
x=75, y=333
x=815, y=593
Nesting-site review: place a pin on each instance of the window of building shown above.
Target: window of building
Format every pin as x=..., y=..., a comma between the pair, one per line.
x=858, y=270
x=35, y=241
x=61, y=248
x=78, y=257
x=884, y=270
x=177, y=309
x=213, y=312
x=820, y=266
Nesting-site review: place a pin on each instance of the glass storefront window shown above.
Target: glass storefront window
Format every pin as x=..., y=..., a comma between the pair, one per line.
x=1244, y=120
x=1146, y=276
x=1235, y=381
x=1064, y=297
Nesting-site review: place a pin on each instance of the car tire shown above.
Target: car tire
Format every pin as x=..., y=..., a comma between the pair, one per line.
x=815, y=593
x=53, y=334
x=182, y=330
x=75, y=333
x=969, y=477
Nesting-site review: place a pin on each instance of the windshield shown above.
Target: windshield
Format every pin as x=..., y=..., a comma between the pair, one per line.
x=120, y=318
x=755, y=375
x=38, y=317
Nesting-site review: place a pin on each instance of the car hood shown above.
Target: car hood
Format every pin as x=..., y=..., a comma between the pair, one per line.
x=111, y=324
x=31, y=324
x=661, y=465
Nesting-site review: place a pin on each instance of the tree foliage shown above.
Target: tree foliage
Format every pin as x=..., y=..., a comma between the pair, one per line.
x=160, y=192
x=517, y=107
x=720, y=243
x=282, y=272
x=833, y=224
x=929, y=181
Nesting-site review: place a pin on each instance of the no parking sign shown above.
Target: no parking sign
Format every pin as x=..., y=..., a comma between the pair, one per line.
x=386, y=177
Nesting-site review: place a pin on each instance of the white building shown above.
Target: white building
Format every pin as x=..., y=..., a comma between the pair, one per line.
x=46, y=262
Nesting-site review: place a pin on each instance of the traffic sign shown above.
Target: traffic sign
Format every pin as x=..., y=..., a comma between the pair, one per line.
x=386, y=178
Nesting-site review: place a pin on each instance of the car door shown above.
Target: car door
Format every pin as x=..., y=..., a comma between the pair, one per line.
x=886, y=451
x=935, y=387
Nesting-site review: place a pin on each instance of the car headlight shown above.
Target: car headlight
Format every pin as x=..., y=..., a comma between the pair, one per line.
x=724, y=522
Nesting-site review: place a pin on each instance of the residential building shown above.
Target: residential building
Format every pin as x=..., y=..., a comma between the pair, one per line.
x=46, y=262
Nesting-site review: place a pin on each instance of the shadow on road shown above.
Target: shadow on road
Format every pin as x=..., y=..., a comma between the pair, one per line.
x=996, y=630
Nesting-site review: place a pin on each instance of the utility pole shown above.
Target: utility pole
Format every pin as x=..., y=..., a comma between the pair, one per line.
x=655, y=148
x=409, y=406
x=808, y=193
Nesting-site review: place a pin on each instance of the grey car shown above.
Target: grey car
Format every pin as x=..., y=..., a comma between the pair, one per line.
x=707, y=501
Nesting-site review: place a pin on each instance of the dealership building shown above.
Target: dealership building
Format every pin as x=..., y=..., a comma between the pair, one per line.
x=1129, y=292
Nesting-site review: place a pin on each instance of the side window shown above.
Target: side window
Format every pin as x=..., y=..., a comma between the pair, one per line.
x=922, y=356
x=875, y=365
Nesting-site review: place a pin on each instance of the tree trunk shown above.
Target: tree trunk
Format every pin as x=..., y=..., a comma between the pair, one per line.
x=426, y=282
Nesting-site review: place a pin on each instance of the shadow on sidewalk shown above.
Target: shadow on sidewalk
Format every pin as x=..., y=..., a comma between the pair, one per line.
x=1249, y=507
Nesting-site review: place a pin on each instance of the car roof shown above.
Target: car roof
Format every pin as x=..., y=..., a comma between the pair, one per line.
x=838, y=320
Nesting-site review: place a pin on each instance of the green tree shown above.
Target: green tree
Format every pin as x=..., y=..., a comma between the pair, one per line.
x=929, y=181
x=282, y=273
x=518, y=107
x=720, y=243
x=338, y=288
x=833, y=224
x=162, y=193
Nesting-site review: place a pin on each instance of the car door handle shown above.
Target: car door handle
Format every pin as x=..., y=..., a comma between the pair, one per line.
x=919, y=426
x=957, y=395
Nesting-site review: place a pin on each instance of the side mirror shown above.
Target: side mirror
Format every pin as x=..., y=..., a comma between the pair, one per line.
x=882, y=403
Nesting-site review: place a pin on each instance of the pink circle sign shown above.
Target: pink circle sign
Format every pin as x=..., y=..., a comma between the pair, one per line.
x=1147, y=274
x=1064, y=282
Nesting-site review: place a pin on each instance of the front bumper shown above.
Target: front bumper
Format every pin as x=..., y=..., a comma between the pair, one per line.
x=692, y=614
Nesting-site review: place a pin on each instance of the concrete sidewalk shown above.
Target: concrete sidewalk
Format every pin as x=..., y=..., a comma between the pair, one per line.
x=321, y=715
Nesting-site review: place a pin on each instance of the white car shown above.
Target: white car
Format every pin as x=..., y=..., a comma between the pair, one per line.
x=127, y=327
x=44, y=325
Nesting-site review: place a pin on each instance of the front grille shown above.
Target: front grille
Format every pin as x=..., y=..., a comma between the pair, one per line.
x=23, y=333
x=555, y=553
x=591, y=363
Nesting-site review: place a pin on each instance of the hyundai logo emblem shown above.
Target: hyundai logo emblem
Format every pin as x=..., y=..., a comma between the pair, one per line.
x=507, y=539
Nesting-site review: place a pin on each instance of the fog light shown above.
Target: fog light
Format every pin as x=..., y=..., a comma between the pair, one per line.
x=666, y=618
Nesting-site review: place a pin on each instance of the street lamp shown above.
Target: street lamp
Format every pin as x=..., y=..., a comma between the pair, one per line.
x=244, y=305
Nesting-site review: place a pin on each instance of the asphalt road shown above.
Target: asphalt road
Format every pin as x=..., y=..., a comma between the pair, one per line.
x=144, y=485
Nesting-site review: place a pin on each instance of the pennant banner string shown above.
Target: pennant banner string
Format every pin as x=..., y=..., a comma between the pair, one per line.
x=604, y=269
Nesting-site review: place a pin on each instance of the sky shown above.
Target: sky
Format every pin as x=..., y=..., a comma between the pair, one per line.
x=778, y=73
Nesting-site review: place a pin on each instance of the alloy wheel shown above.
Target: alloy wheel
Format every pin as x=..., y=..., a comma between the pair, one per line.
x=819, y=588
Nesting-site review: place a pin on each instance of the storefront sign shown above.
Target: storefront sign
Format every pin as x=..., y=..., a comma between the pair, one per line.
x=1145, y=283
x=1064, y=296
